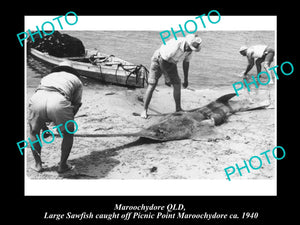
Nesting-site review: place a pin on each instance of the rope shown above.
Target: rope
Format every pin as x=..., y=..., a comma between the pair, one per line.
x=136, y=72
x=132, y=71
x=100, y=70
x=117, y=71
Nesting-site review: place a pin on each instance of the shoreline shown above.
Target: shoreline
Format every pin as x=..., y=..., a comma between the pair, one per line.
x=110, y=109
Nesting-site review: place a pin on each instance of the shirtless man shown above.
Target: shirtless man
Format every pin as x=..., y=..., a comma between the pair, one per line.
x=164, y=61
x=259, y=54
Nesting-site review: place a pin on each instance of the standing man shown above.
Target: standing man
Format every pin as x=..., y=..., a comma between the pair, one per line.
x=164, y=61
x=260, y=53
x=57, y=99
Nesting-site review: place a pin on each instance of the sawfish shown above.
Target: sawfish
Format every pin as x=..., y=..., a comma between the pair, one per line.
x=197, y=122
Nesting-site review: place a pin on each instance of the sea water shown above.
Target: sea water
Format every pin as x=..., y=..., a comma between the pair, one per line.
x=216, y=65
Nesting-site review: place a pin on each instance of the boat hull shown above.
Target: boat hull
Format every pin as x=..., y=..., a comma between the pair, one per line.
x=117, y=71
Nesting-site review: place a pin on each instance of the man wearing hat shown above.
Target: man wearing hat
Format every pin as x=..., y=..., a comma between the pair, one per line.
x=57, y=99
x=259, y=54
x=164, y=61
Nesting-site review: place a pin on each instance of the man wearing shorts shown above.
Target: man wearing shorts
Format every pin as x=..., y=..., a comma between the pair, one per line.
x=164, y=61
x=57, y=99
x=260, y=53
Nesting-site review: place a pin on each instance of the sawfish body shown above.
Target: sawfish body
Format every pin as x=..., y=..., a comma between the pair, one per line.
x=185, y=125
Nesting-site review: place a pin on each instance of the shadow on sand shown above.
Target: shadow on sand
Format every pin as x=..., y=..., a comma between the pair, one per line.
x=98, y=164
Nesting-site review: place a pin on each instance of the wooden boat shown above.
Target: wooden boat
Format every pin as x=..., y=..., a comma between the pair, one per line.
x=102, y=67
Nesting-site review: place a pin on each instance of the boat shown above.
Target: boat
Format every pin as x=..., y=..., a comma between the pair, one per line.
x=102, y=67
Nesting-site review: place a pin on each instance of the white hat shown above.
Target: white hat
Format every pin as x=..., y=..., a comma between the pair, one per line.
x=243, y=48
x=194, y=42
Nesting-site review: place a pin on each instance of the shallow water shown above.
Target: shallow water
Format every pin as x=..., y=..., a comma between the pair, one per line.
x=216, y=65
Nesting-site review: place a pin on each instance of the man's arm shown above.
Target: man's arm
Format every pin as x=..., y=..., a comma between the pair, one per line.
x=250, y=64
x=185, y=66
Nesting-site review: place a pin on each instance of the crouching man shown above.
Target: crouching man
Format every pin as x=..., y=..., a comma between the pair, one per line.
x=260, y=54
x=57, y=99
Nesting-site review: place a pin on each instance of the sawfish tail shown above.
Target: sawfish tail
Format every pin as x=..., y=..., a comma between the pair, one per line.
x=241, y=106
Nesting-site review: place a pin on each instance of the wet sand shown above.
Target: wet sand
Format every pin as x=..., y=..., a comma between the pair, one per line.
x=110, y=110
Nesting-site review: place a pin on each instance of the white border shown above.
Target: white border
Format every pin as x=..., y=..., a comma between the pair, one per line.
x=102, y=187
x=159, y=23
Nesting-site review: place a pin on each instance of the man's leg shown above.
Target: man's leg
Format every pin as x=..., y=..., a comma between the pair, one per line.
x=177, y=96
x=167, y=80
x=258, y=67
x=267, y=63
x=37, y=121
x=66, y=147
x=258, y=64
x=171, y=70
x=154, y=75
x=35, y=127
x=270, y=72
x=60, y=111
x=147, y=99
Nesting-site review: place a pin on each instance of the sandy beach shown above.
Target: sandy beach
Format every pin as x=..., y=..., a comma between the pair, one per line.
x=109, y=109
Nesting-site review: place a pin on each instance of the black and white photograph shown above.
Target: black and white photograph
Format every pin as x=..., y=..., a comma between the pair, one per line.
x=143, y=106
x=155, y=119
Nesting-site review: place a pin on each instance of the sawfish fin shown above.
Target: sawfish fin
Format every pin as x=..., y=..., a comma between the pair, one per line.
x=225, y=98
x=204, y=131
x=207, y=134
